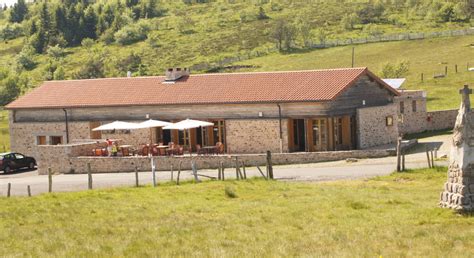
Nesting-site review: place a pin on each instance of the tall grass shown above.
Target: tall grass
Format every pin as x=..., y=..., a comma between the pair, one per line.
x=388, y=216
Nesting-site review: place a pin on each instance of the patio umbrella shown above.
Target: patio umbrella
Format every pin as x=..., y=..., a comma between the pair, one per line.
x=188, y=124
x=153, y=124
x=117, y=125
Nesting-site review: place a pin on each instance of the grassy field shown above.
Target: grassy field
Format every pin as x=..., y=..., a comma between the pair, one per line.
x=4, y=133
x=425, y=56
x=389, y=216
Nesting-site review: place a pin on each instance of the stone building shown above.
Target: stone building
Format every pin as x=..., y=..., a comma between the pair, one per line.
x=299, y=111
x=458, y=191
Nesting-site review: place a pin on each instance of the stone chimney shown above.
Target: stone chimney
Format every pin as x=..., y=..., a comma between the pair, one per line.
x=174, y=74
x=458, y=191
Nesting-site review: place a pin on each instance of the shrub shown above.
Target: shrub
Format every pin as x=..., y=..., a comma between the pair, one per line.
x=25, y=59
x=132, y=33
x=87, y=43
x=10, y=31
x=153, y=40
x=56, y=52
x=230, y=192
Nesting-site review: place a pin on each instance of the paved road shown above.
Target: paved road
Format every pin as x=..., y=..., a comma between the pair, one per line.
x=326, y=171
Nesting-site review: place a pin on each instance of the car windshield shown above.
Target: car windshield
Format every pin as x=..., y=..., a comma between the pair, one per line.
x=19, y=156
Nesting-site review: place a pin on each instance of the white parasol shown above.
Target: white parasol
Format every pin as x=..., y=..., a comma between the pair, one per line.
x=117, y=125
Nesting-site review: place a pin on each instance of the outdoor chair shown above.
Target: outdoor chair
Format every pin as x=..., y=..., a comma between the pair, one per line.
x=220, y=148
x=199, y=150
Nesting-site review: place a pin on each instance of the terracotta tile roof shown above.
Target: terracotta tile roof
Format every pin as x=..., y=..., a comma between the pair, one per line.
x=296, y=86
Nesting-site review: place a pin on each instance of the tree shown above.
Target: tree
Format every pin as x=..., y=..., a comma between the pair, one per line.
x=10, y=86
x=278, y=33
x=18, y=11
x=304, y=29
x=55, y=52
x=94, y=67
x=348, y=21
x=130, y=63
x=25, y=59
x=59, y=74
x=89, y=24
x=322, y=35
x=10, y=31
x=132, y=33
x=396, y=70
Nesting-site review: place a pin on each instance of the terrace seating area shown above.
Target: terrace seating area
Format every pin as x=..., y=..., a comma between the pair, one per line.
x=159, y=149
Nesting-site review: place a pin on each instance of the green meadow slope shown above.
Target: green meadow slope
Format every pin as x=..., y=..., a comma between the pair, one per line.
x=429, y=56
x=391, y=216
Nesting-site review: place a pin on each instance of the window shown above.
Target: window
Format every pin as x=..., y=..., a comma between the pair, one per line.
x=389, y=120
x=41, y=140
x=19, y=156
x=319, y=134
x=56, y=140
x=183, y=138
x=413, y=105
x=402, y=107
x=219, y=129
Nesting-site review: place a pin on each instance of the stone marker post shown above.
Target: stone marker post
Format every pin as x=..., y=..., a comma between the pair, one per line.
x=458, y=192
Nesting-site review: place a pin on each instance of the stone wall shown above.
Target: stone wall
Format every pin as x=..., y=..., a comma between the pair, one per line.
x=372, y=128
x=440, y=120
x=23, y=135
x=58, y=157
x=61, y=161
x=256, y=135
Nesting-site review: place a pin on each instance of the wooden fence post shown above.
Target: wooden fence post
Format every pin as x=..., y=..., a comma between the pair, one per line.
x=432, y=160
x=50, y=180
x=446, y=70
x=243, y=167
x=9, y=188
x=172, y=172
x=269, y=165
x=428, y=158
x=222, y=171
x=421, y=77
x=219, y=177
x=153, y=170
x=399, y=147
x=137, y=184
x=261, y=172
x=403, y=161
x=179, y=173
x=89, y=176
x=237, y=168
x=456, y=68
x=194, y=169
x=28, y=189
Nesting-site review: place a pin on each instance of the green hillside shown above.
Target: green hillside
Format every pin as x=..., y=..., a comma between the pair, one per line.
x=429, y=57
x=74, y=39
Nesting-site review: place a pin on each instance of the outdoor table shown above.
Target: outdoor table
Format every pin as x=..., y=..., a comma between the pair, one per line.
x=209, y=149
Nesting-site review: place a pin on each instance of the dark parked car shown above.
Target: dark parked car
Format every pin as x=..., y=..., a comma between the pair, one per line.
x=11, y=161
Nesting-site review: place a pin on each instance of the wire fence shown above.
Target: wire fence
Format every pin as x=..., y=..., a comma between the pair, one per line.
x=336, y=43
